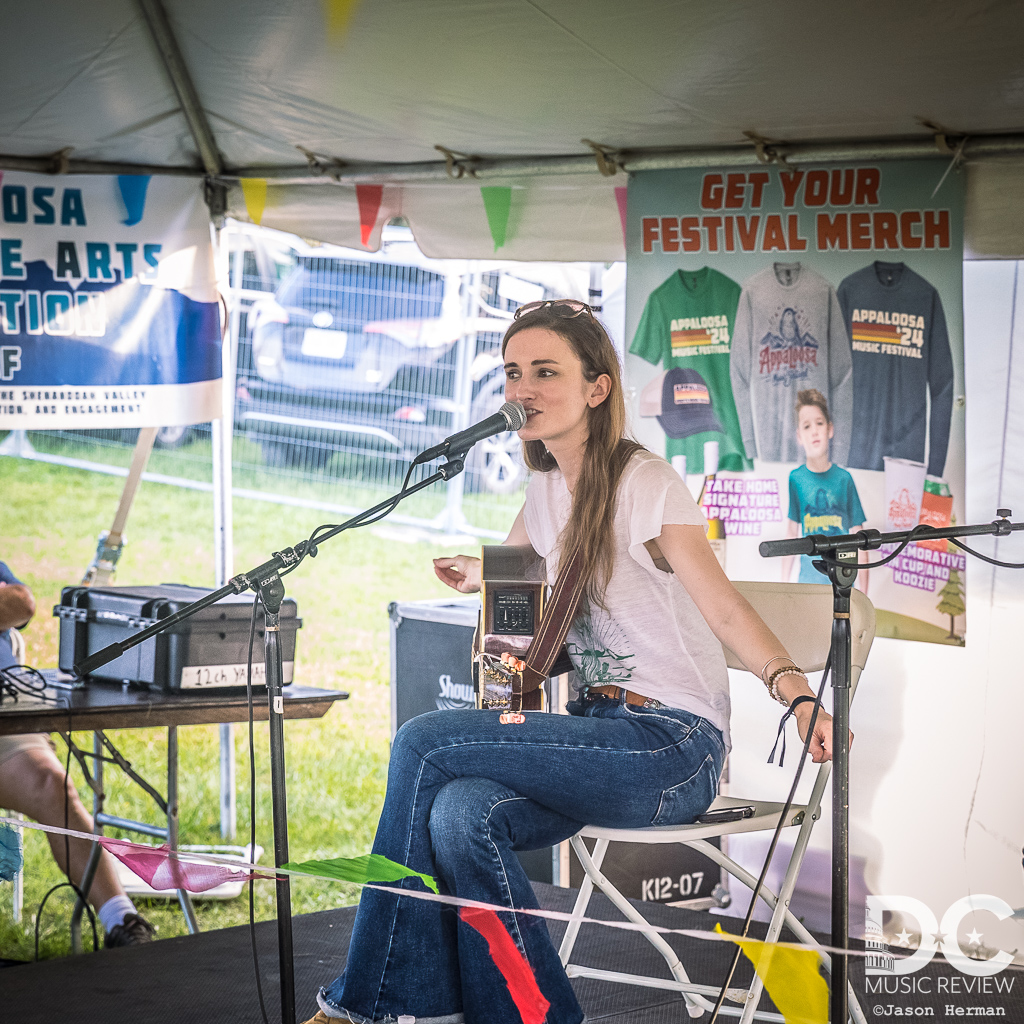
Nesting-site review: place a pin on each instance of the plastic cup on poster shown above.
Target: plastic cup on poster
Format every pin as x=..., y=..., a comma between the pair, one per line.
x=936, y=510
x=904, y=489
x=710, y=458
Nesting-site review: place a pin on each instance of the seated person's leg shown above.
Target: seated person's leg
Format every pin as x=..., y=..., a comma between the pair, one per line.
x=32, y=782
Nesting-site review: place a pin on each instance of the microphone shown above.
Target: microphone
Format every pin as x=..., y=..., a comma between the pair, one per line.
x=511, y=416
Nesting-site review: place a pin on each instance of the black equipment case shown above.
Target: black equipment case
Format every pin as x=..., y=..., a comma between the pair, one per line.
x=209, y=650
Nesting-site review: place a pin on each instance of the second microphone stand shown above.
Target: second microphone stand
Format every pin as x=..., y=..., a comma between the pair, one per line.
x=839, y=557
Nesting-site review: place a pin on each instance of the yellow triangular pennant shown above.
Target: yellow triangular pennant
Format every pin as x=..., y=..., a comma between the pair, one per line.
x=255, y=192
x=791, y=977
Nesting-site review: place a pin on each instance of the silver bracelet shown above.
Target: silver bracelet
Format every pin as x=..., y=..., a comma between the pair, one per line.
x=768, y=662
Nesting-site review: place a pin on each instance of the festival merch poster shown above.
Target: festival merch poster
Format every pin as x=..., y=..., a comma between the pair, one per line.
x=108, y=303
x=837, y=289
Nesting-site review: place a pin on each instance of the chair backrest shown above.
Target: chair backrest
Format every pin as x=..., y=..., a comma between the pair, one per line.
x=800, y=615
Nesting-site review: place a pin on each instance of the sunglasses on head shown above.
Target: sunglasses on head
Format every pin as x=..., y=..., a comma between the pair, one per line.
x=565, y=308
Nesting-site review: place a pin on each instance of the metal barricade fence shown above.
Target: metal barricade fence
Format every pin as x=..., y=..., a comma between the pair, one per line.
x=348, y=364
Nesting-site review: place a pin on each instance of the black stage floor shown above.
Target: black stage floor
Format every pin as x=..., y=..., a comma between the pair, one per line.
x=208, y=978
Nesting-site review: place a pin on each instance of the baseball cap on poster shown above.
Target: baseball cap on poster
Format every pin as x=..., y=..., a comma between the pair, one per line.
x=681, y=401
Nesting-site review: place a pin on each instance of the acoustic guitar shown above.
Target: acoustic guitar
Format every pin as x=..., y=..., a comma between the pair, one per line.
x=513, y=597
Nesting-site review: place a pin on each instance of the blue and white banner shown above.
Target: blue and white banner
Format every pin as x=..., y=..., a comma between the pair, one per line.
x=109, y=312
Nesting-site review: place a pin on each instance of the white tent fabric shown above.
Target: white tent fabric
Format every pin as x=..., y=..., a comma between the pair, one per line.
x=503, y=77
x=508, y=79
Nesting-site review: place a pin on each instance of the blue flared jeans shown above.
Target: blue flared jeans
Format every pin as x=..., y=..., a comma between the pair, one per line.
x=464, y=792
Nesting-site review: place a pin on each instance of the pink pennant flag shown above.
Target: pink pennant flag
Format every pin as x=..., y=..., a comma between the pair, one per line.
x=518, y=975
x=368, y=197
x=620, y=198
x=155, y=866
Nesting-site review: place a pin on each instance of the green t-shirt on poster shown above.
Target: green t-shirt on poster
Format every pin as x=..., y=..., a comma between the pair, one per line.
x=688, y=321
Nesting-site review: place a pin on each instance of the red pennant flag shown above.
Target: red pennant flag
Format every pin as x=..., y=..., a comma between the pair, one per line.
x=368, y=197
x=522, y=985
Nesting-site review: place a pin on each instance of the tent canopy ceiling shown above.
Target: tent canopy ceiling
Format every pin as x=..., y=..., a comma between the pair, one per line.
x=502, y=78
x=259, y=89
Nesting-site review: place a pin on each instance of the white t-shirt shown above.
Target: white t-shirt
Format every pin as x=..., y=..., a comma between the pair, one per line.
x=650, y=638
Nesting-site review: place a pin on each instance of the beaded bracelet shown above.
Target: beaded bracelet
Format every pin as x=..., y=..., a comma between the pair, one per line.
x=772, y=683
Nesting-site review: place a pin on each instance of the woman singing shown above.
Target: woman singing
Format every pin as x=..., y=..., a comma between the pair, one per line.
x=645, y=738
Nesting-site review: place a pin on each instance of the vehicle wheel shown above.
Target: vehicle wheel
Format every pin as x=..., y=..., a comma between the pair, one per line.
x=173, y=437
x=296, y=454
x=495, y=464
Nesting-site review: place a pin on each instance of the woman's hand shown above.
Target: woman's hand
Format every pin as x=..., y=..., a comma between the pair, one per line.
x=821, y=741
x=461, y=573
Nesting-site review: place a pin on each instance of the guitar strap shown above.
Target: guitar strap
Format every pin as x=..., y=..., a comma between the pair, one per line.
x=555, y=622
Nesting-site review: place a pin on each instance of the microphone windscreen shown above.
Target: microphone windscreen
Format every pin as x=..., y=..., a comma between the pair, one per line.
x=515, y=415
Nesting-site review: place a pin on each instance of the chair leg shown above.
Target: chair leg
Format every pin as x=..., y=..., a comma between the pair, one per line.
x=695, y=1004
x=780, y=914
x=582, y=901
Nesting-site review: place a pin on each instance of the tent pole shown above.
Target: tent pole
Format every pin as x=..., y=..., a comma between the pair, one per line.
x=977, y=149
x=223, y=538
x=160, y=32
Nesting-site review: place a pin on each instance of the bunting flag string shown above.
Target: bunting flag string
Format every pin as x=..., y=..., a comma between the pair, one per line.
x=791, y=977
x=369, y=198
x=371, y=867
x=497, y=205
x=338, y=15
x=518, y=975
x=160, y=871
x=254, y=191
x=133, y=189
x=192, y=857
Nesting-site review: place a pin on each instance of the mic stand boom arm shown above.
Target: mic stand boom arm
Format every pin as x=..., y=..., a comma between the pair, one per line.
x=840, y=565
x=265, y=579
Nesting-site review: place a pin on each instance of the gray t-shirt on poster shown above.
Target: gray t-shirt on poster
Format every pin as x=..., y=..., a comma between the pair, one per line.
x=650, y=637
x=790, y=335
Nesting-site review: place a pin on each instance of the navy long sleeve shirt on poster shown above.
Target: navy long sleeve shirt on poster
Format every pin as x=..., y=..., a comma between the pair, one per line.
x=901, y=357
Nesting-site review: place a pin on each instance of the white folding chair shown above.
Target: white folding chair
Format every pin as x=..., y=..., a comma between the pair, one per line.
x=800, y=615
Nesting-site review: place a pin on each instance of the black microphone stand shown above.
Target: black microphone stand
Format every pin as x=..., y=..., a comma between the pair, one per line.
x=265, y=579
x=840, y=564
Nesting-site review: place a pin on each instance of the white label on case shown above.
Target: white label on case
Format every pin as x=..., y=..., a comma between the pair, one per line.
x=195, y=677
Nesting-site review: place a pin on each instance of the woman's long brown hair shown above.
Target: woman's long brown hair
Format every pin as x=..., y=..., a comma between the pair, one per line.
x=608, y=451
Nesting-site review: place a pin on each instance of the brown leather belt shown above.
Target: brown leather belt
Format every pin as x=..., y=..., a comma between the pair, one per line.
x=626, y=696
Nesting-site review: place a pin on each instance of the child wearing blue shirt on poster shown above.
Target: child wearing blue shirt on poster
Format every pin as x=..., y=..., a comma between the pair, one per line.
x=822, y=497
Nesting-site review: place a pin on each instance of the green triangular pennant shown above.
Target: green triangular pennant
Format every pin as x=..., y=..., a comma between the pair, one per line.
x=371, y=867
x=498, y=203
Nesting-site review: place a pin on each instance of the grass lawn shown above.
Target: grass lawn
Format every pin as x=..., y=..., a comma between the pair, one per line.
x=336, y=767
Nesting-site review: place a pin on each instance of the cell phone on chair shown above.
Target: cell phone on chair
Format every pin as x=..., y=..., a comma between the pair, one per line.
x=725, y=814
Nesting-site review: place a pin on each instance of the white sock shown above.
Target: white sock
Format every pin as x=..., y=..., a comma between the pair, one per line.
x=113, y=912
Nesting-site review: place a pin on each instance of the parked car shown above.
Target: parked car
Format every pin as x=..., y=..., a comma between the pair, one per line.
x=355, y=358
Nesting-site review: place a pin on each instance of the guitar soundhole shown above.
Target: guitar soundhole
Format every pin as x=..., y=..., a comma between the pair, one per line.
x=513, y=612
